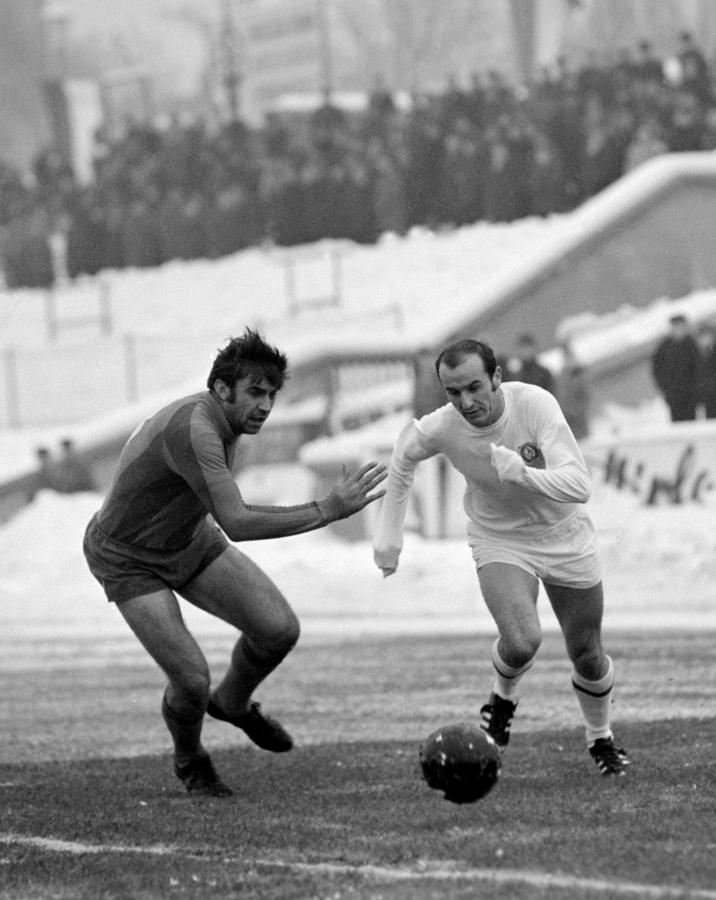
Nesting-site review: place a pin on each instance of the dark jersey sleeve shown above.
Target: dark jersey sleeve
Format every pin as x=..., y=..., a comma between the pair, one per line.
x=195, y=451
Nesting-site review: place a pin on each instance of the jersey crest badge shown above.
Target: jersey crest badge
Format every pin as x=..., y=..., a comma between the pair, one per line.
x=531, y=455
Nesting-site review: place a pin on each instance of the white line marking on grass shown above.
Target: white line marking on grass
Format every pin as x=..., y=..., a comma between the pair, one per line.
x=419, y=872
x=503, y=876
x=55, y=845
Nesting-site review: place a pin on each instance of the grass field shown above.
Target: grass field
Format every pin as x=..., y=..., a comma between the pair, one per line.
x=91, y=808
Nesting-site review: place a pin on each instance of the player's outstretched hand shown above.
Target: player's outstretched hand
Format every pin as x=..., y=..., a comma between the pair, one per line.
x=354, y=491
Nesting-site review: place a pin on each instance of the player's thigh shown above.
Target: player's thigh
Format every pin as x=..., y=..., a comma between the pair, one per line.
x=239, y=592
x=579, y=612
x=510, y=594
x=157, y=622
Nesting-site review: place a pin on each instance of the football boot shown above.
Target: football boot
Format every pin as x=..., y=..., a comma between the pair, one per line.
x=262, y=729
x=200, y=779
x=609, y=759
x=496, y=719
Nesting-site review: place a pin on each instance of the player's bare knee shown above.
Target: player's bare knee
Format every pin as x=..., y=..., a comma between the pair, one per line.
x=192, y=691
x=521, y=648
x=286, y=637
x=268, y=649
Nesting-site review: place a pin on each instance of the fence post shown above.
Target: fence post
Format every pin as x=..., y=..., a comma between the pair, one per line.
x=105, y=309
x=51, y=313
x=131, y=380
x=11, y=387
x=289, y=265
x=337, y=276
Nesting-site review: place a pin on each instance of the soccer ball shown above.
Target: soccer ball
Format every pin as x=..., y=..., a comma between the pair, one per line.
x=461, y=760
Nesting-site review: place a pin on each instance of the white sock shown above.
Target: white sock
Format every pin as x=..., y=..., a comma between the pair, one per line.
x=595, y=698
x=507, y=678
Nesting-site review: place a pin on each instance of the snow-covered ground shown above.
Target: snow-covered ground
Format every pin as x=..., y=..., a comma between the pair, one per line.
x=660, y=563
x=660, y=572
x=402, y=291
x=178, y=314
x=407, y=279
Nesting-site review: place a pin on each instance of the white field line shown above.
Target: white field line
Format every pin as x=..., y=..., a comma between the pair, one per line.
x=77, y=848
x=420, y=872
x=536, y=879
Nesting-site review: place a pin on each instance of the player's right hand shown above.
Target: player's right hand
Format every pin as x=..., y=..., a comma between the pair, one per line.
x=354, y=491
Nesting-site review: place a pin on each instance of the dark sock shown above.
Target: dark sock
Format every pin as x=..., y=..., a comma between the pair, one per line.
x=185, y=732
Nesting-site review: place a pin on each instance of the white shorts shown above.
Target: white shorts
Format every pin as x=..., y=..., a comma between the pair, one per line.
x=566, y=555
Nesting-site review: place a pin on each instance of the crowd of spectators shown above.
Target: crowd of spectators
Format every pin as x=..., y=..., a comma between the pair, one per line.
x=488, y=151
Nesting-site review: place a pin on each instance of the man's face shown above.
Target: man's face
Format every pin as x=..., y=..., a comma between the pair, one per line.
x=472, y=392
x=248, y=406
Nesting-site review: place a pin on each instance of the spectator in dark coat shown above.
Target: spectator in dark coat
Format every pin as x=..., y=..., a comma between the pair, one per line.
x=389, y=197
x=549, y=183
x=706, y=370
x=71, y=473
x=43, y=477
x=524, y=366
x=674, y=369
x=428, y=392
x=647, y=143
x=695, y=76
x=573, y=393
x=685, y=128
x=648, y=67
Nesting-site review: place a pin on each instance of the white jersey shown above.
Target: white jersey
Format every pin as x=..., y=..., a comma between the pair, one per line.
x=532, y=505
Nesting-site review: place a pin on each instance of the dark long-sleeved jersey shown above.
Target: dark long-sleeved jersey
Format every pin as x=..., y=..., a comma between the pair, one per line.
x=175, y=469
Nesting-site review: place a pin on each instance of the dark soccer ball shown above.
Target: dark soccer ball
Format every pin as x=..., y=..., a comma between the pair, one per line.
x=462, y=761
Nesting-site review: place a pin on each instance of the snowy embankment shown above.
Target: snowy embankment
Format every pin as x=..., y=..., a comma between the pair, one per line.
x=659, y=562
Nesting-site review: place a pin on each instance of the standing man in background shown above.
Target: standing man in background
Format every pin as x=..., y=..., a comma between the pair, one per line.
x=524, y=366
x=526, y=486
x=674, y=369
x=156, y=536
x=72, y=473
x=573, y=393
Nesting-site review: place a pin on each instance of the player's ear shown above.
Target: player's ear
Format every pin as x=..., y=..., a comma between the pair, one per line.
x=497, y=378
x=222, y=389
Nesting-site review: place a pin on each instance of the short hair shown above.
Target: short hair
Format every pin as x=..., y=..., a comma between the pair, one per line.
x=454, y=353
x=247, y=355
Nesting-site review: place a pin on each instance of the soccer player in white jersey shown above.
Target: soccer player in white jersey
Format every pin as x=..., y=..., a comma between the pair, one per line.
x=526, y=486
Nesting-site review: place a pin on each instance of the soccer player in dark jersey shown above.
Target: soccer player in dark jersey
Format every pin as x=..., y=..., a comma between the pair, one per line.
x=162, y=530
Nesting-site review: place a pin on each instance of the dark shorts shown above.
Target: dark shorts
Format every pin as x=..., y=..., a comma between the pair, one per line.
x=126, y=571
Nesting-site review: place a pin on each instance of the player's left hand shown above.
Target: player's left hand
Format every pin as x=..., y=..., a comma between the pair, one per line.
x=509, y=464
x=387, y=560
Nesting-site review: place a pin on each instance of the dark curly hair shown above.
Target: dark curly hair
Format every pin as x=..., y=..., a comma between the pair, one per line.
x=248, y=355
